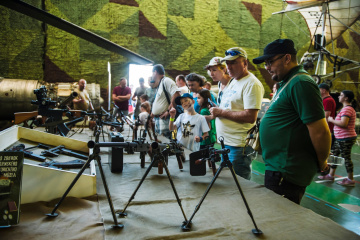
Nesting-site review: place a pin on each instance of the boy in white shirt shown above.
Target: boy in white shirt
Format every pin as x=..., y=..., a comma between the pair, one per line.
x=192, y=127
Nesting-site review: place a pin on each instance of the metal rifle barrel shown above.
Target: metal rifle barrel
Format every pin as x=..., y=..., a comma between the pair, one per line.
x=68, y=99
x=92, y=144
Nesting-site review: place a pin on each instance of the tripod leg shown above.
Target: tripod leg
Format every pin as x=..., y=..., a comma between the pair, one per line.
x=102, y=131
x=179, y=160
x=213, y=167
x=116, y=224
x=122, y=214
x=256, y=231
x=174, y=189
x=53, y=213
x=142, y=159
x=186, y=226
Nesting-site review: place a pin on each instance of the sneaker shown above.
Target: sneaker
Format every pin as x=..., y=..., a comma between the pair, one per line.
x=326, y=177
x=347, y=182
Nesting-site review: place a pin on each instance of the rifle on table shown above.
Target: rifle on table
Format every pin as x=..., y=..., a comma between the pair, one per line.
x=28, y=154
x=70, y=164
x=56, y=151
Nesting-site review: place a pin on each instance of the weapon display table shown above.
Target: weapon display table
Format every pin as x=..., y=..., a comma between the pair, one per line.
x=154, y=213
x=42, y=183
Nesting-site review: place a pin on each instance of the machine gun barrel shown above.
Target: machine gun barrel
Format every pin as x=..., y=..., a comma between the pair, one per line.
x=68, y=100
x=137, y=146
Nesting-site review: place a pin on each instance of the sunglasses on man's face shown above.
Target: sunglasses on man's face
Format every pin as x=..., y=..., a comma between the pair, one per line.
x=232, y=53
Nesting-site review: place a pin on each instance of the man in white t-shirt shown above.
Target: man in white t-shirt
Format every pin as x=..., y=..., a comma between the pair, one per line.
x=181, y=84
x=238, y=110
x=163, y=101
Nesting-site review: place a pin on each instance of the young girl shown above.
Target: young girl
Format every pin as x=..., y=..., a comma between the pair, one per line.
x=203, y=100
x=344, y=131
x=144, y=112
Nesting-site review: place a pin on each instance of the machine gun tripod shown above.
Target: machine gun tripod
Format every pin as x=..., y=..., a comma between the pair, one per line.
x=158, y=156
x=99, y=124
x=214, y=155
x=94, y=156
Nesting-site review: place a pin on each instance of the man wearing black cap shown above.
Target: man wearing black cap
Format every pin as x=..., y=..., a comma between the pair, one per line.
x=294, y=135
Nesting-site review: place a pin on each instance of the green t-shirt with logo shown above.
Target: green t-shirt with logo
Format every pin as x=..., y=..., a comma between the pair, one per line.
x=284, y=137
x=212, y=133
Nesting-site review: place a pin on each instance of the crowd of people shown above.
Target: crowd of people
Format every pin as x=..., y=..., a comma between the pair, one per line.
x=297, y=133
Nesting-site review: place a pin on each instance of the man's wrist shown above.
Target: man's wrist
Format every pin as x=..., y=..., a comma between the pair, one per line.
x=172, y=119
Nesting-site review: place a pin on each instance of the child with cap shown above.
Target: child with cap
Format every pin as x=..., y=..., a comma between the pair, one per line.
x=192, y=127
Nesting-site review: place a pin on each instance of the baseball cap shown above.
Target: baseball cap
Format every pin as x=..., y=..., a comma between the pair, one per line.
x=324, y=86
x=233, y=53
x=279, y=46
x=214, y=62
x=185, y=95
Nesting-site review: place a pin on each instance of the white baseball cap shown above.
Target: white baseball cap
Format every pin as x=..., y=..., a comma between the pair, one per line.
x=214, y=62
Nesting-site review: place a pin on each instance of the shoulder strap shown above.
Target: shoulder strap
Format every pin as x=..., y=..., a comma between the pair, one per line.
x=278, y=93
x=166, y=94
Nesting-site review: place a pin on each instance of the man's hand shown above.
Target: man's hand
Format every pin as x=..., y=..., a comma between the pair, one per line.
x=216, y=112
x=164, y=115
x=172, y=112
x=197, y=139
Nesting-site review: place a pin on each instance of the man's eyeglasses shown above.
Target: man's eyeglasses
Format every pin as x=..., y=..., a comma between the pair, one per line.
x=233, y=53
x=268, y=63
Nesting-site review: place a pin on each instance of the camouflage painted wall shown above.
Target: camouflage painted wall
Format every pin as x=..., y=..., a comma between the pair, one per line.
x=183, y=35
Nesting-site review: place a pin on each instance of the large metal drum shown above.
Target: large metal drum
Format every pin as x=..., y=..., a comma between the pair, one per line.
x=16, y=96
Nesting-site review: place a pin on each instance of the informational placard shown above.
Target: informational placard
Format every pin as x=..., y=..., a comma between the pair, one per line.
x=11, y=168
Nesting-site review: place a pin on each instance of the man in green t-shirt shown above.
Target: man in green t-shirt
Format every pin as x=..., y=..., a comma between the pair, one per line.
x=294, y=135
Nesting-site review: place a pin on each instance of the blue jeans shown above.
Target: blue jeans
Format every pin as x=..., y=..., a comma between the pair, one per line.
x=241, y=161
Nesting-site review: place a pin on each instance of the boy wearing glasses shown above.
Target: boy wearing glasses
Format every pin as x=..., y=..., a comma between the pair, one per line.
x=238, y=109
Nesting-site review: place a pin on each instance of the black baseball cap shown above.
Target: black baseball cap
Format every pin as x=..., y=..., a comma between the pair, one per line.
x=279, y=46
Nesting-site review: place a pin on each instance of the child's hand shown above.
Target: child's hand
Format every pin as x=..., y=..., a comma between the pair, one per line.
x=172, y=112
x=197, y=139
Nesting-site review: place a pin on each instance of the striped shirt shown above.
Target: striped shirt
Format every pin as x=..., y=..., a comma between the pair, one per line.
x=349, y=131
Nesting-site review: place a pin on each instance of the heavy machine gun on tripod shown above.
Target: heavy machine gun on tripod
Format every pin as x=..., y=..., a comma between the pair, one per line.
x=54, y=122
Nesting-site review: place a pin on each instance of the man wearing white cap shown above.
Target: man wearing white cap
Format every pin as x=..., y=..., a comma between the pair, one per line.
x=238, y=110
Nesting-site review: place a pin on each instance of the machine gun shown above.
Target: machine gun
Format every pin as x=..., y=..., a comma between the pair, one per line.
x=28, y=154
x=198, y=160
x=54, y=152
x=66, y=101
x=165, y=150
x=54, y=122
x=99, y=123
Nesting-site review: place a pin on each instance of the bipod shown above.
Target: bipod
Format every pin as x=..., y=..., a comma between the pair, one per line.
x=158, y=157
x=186, y=226
x=94, y=156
